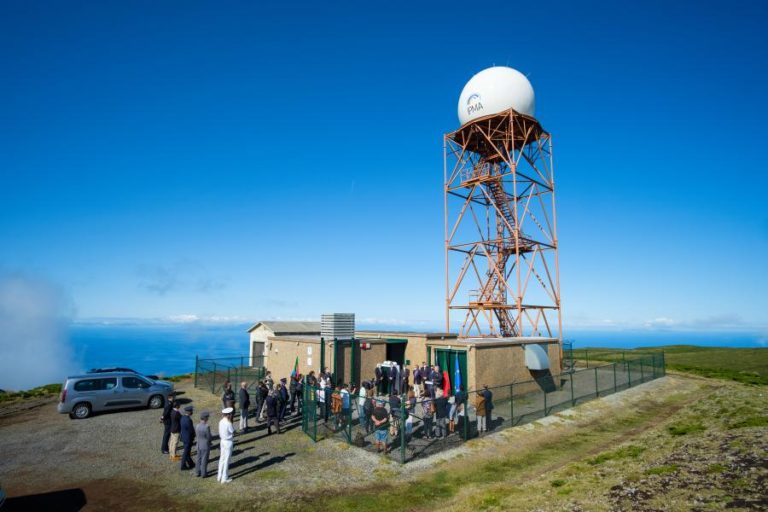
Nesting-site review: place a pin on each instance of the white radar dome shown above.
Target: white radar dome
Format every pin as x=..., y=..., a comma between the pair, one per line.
x=495, y=90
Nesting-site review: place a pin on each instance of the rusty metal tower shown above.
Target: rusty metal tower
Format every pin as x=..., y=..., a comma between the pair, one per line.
x=502, y=271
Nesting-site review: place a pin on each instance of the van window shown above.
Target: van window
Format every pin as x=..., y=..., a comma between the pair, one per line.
x=134, y=383
x=95, y=384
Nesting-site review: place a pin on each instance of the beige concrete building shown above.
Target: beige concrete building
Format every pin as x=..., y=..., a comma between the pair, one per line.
x=482, y=361
x=260, y=332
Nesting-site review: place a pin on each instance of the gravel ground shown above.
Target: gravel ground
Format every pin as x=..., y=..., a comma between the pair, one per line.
x=122, y=449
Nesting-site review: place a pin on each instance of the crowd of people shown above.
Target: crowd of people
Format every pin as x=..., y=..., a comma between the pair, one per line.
x=411, y=394
x=273, y=402
x=385, y=406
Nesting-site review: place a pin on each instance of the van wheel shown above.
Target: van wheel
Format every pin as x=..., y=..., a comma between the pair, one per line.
x=155, y=402
x=81, y=411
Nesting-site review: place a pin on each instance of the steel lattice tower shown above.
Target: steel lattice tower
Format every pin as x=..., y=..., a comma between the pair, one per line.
x=501, y=258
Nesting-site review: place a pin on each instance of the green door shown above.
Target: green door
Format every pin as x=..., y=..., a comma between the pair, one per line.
x=446, y=360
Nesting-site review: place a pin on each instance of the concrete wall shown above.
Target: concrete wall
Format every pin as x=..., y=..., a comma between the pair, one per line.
x=370, y=358
x=257, y=338
x=282, y=356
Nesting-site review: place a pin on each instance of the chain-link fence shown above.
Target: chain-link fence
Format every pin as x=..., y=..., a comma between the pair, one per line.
x=211, y=374
x=408, y=427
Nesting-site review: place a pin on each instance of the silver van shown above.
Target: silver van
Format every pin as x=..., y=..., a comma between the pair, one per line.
x=82, y=395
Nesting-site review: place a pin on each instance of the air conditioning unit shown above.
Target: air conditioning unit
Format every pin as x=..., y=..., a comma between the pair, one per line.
x=337, y=325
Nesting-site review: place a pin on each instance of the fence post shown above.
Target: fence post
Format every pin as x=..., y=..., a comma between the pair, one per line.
x=334, y=380
x=322, y=354
x=197, y=361
x=573, y=399
x=663, y=363
x=586, y=354
x=597, y=386
x=213, y=383
x=545, y=402
x=512, y=404
x=642, y=376
x=629, y=376
x=615, y=387
x=402, y=431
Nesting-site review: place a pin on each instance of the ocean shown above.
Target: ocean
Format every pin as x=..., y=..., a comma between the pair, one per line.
x=171, y=349
x=155, y=349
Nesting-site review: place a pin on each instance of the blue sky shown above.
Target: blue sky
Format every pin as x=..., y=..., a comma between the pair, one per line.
x=247, y=160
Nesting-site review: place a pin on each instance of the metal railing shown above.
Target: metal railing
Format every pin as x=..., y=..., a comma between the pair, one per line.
x=415, y=431
x=211, y=374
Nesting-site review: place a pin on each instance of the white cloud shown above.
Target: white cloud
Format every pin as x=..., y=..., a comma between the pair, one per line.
x=660, y=322
x=34, y=317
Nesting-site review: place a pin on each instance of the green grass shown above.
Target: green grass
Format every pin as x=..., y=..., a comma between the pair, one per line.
x=752, y=421
x=38, y=392
x=625, y=452
x=662, y=470
x=745, y=365
x=716, y=468
x=271, y=474
x=682, y=429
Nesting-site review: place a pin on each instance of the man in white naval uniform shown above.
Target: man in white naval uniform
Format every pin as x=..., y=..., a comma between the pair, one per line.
x=226, y=437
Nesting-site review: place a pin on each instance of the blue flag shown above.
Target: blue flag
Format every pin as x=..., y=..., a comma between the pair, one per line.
x=457, y=375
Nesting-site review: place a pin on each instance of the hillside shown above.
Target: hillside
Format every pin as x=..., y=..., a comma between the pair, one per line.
x=746, y=365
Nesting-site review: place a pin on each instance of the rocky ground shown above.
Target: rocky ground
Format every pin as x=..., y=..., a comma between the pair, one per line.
x=677, y=443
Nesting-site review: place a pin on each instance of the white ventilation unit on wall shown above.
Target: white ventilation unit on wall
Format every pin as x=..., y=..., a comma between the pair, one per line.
x=337, y=325
x=536, y=357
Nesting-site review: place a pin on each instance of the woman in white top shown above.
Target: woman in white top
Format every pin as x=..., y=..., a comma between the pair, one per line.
x=226, y=443
x=322, y=383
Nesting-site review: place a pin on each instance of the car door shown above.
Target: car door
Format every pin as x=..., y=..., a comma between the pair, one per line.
x=135, y=391
x=86, y=390
x=109, y=393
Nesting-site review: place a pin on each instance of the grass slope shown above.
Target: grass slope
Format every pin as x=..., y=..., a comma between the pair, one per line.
x=745, y=365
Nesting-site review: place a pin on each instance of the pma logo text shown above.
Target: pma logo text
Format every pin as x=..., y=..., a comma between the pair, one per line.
x=474, y=104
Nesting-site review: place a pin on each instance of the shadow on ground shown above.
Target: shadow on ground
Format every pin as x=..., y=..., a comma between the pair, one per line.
x=68, y=500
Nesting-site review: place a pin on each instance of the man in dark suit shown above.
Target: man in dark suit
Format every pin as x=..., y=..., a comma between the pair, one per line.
x=245, y=401
x=166, y=419
x=379, y=375
x=187, y=437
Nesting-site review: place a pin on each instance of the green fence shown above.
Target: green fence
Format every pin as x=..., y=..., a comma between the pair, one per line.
x=211, y=374
x=415, y=431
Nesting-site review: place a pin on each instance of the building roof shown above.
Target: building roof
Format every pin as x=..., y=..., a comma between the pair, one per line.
x=278, y=327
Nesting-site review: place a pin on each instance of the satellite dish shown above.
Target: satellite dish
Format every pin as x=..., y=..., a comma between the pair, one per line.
x=495, y=90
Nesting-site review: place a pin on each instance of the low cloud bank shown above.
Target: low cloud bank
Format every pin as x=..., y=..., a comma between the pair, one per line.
x=34, y=342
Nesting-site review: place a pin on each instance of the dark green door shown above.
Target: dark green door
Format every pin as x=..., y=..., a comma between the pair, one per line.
x=446, y=360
